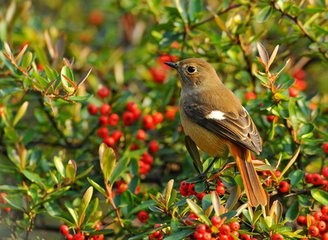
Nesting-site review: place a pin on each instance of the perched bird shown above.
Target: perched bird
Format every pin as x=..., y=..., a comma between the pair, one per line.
x=213, y=117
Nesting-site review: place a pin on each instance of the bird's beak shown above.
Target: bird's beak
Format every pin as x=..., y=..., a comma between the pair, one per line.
x=172, y=64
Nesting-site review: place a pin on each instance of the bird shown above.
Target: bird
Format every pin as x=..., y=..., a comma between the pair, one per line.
x=215, y=120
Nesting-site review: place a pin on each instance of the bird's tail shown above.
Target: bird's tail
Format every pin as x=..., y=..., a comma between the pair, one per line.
x=253, y=187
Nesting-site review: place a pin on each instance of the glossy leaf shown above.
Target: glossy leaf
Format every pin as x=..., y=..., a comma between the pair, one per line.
x=320, y=195
x=107, y=161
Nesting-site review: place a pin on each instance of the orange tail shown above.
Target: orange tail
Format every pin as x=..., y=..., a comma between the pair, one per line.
x=252, y=184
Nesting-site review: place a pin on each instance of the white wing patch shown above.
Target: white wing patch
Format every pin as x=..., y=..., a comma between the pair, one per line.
x=216, y=115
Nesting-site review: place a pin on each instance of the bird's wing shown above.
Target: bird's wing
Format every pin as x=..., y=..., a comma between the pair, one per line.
x=237, y=126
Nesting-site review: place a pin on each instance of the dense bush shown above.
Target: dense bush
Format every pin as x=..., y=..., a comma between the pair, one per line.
x=90, y=141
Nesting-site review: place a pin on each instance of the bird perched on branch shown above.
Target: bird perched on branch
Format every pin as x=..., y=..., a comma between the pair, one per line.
x=213, y=117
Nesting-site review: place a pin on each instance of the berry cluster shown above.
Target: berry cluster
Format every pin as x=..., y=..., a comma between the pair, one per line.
x=111, y=124
x=159, y=72
x=188, y=189
x=317, y=179
x=299, y=84
x=220, y=230
x=3, y=201
x=64, y=230
x=317, y=223
x=157, y=235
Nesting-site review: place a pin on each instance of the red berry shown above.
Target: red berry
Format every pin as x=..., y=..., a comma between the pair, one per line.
x=144, y=168
x=113, y=119
x=191, y=218
x=105, y=109
x=293, y=92
x=153, y=146
x=300, y=84
x=158, y=74
x=313, y=230
x=277, y=173
x=220, y=190
x=272, y=118
x=216, y=221
x=131, y=106
x=277, y=236
x=64, y=229
x=121, y=187
x=245, y=236
x=103, y=92
x=148, y=122
x=201, y=228
x=325, y=147
x=309, y=177
x=200, y=195
x=117, y=134
x=324, y=171
x=103, y=120
x=141, y=135
x=300, y=74
x=96, y=17
x=109, y=141
x=324, y=210
x=128, y=118
x=234, y=226
x=69, y=237
x=224, y=237
x=283, y=187
x=147, y=158
x=322, y=226
x=198, y=235
x=324, y=236
x=79, y=236
x=143, y=216
x=301, y=220
x=316, y=179
x=250, y=95
x=171, y=112
x=318, y=216
x=157, y=117
x=92, y=109
x=103, y=132
x=225, y=229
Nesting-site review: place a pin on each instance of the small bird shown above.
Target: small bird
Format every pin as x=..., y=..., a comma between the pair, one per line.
x=213, y=117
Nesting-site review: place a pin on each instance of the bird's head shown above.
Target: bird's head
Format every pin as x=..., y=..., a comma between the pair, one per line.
x=194, y=72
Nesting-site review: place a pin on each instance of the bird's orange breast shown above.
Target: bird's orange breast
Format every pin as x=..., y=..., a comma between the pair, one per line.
x=208, y=142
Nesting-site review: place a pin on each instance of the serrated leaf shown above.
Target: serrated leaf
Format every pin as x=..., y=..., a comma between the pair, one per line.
x=320, y=195
x=198, y=211
x=20, y=113
x=107, y=161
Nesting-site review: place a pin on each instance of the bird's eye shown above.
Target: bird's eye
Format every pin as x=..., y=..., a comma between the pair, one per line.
x=191, y=69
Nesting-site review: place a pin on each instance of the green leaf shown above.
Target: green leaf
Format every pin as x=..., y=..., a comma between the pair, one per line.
x=194, y=8
x=72, y=213
x=15, y=201
x=71, y=170
x=59, y=165
x=180, y=6
x=198, y=211
x=67, y=79
x=320, y=195
x=84, y=204
x=168, y=192
x=182, y=234
x=97, y=186
x=121, y=166
x=107, y=161
x=292, y=211
x=264, y=14
x=81, y=99
x=27, y=60
x=306, y=131
x=33, y=177
x=296, y=176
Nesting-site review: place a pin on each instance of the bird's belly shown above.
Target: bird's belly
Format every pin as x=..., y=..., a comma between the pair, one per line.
x=204, y=139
